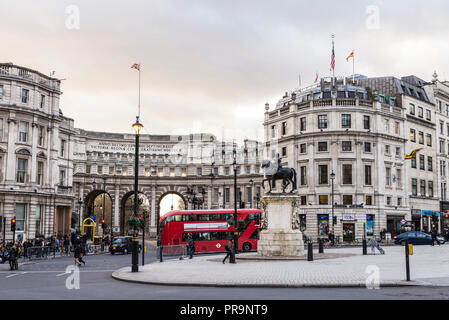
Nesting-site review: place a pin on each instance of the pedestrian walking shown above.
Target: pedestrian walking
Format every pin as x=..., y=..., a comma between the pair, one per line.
x=13, y=258
x=78, y=251
x=66, y=244
x=82, y=254
x=434, y=236
x=190, y=247
x=230, y=251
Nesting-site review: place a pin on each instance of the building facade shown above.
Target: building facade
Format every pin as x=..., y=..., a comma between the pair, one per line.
x=347, y=140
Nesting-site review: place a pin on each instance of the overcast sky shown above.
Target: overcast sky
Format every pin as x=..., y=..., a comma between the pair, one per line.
x=211, y=65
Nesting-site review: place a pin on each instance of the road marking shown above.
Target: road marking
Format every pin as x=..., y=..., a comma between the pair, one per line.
x=58, y=271
x=61, y=274
x=12, y=275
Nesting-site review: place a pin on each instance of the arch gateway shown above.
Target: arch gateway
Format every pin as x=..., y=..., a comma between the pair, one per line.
x=196, y=168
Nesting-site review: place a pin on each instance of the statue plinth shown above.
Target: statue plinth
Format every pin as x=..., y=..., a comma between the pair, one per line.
x=278, y=237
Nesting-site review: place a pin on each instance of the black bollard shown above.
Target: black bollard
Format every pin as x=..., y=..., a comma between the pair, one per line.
x=320, y=246
x=364, y=247
x=309, y=251
x=160, y=254
x=407, y=261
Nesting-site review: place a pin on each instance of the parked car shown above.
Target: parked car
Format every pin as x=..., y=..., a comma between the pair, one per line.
x=122, y=244
x=415, y=237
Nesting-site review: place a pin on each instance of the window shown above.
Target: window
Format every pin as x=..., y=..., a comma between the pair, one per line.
x=1, y=129
x=323, y=174
x=399, y=201
x=347, y=199
x=183, y=172
x=302, y=148
x=42, y=101
x=429, y=139
x=111, y=170
x=414, y=186
x=249, y=194
x=99, y=169
x=323, y=199
x=346, y=121
x=199, y=171
x=227, y=171
x=447, y=128
x=387, y=126
x=421, y=162
x=367, y=146
x=366, y=122
x=369, y=200
x=302, y=124
x=284, y=128
x=38, y=218
x=227, y=194
x=25, y=93
x=248, y=168
x=412, y=135
x=441, y=146
x=237, y=169
x=396, y=127
x=441, y=127
x=303, y=200
x=368, y=180
x=284, y=151
x=430, y=185
x=172, y=172
x=399, y=177
x=88, y=168
x=61, y=177
x=387, y=149
x=388, y=176
x=40, y=173
x=303, y=176
x=20, y=216
x=40, y=136
x=22, y=165
x=428, y=115
x=346, y=146
x=388, y=201
x=412, y=109
x=62, y=151
x=420, y=112
x=347, y=174
x=421, y=137
x=322, y=146
x=322, y=121
x=160, y=172
x=1, y=92
x=398, y=152
x=23, y=131
x=429, y=164
x=273, y=131
x=413, y=162
x=422, y=190
x=257, y=169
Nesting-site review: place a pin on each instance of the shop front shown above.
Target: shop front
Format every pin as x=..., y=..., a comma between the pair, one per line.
x=394, y=225
x=348, y=223
x=416, y=220
x=323, y=225
x=431, y=220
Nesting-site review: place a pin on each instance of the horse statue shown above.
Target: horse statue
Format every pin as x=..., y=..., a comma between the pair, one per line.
x=273, y=173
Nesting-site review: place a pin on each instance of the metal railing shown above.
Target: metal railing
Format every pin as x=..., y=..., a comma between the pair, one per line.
x=49, y=252
x=172, y=252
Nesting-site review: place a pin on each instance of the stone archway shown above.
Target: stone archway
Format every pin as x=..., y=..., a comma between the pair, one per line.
x=127, y=210
x=176, y=201
x=98, y=204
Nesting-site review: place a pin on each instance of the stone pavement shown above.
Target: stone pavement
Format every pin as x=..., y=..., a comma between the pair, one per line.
x=344, y=267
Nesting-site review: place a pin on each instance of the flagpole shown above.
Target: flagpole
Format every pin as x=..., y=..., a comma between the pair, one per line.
x=353, y=72
x=140, y=66
x=333, y=52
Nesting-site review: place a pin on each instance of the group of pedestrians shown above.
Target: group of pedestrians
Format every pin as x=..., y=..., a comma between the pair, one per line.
x=230, y=250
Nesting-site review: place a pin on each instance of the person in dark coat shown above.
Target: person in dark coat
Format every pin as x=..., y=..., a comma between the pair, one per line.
x=78, y=252
x=230, y=251
x=434, y=236
x=190, y=247
x=13, y=257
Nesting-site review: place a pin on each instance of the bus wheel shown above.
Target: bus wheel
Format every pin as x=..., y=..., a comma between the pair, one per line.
x=246, y=246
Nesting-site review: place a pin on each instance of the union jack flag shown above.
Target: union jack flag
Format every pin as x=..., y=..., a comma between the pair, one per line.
x=136, y=66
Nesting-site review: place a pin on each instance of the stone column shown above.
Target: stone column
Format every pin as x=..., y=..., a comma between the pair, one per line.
x=116, y=222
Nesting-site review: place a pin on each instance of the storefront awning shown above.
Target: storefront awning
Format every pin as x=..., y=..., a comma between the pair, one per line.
x=430, y=213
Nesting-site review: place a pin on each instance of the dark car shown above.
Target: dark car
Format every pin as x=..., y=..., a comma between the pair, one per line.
x=415, y=237
x=122, y=244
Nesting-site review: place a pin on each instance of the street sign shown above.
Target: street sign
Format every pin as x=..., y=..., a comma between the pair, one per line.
x=403, y=221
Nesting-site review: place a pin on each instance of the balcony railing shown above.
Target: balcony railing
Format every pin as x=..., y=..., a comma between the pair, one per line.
x=12, y=71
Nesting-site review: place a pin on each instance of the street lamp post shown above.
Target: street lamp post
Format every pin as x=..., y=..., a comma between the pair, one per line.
x=80, y=203
x=234, y=164
x=251, y=182
x=104, y=200
x=332, y=200
x=137, y=126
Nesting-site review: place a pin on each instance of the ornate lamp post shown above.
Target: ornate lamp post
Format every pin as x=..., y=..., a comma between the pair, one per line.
x=251, y=182
x=137, y=126
x=332, y=200
x=234, y=165
x=80, y=203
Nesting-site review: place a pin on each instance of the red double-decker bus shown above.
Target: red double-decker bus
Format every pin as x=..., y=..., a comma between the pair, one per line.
x=211, y=230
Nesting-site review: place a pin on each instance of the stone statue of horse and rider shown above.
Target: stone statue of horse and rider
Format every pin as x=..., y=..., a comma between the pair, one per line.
x=275, y=172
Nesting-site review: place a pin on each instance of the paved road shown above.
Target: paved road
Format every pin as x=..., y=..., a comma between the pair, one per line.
x=47, y=280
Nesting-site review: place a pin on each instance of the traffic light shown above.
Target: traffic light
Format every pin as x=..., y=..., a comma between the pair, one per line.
x=103, y=223
x=13, y=224
x=334, y=220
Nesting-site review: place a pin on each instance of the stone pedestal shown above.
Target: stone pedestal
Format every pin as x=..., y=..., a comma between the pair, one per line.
x=279, y=238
